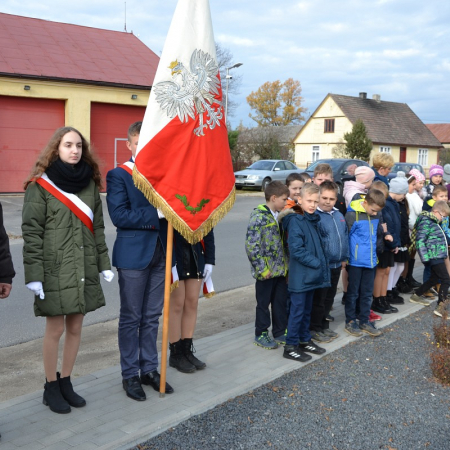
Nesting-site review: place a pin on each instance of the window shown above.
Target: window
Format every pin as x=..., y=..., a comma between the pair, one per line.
x=279, y=166
x=329, y=126
x=385, y=150
x=315, y=152
x=290, y=166
x=423, y=157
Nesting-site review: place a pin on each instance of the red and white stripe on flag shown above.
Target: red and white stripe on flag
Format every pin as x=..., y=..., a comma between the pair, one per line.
x=183, y=163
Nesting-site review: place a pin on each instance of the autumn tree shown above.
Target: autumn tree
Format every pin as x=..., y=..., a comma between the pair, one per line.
x=357, y=142
x=276, y=103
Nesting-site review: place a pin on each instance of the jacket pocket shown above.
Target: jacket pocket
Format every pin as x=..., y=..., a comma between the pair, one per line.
x=57, y=263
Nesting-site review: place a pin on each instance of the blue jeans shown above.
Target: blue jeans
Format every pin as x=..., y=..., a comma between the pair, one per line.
x=141, y=304
x=299, y=317
x=360, y=284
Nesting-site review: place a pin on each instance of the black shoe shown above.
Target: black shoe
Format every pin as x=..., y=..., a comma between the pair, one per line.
x=329, y=318
x=388, y=306
x=379, y=306
x=188, y=351
x=134, y=389
x=53, y=398
x=393, y=299
x=310, y=347
x=413, y=283
x=153, y=379
x=396, y=293
x=70, y=396
x=178, y=360
x=403, y=286
x=293, y=352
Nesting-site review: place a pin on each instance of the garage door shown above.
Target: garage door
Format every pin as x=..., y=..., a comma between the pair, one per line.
x=26, y=126
x=109, y=126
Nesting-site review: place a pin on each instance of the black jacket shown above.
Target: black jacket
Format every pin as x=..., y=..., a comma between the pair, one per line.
x=6, y=265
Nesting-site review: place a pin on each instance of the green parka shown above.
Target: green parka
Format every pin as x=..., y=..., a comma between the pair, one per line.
x=62, y=253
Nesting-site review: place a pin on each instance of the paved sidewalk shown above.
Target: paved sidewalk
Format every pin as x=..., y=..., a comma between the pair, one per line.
x=112, y=421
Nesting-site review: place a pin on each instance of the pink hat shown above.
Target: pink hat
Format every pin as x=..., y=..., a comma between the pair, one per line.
x=419, y=176
x=364, y=174
x=435, y=169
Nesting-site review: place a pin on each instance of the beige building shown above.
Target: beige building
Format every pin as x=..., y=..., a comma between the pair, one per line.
x=392, y=127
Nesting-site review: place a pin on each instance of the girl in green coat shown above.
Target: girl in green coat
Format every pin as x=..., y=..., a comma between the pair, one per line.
x=64, y=252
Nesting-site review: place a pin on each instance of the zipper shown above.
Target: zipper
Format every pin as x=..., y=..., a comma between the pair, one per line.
x=371, y=244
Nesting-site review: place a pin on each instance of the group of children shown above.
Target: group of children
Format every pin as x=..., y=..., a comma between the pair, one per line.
x=299, y=243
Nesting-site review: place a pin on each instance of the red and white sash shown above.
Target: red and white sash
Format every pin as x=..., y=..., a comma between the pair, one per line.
x=74, y=203
x=128, y=167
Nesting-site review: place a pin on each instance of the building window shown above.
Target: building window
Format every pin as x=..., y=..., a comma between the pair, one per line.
x=329, y=126
x=315, y=152
x=423, y=157
x=385, y=150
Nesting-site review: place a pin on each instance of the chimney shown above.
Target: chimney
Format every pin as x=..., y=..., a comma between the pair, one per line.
x=363, y=95
x=377, y=97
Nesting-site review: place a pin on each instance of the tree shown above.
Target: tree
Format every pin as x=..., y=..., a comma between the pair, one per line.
x=358, y=145
x=276, y=103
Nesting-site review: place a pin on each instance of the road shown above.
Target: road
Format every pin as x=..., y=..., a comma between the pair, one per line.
x=17, y=321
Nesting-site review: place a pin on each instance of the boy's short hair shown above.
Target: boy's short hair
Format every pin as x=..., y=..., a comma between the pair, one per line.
x=381, y=186
x=382, y=160
x=306, y=177
x=309, y=188
x=328, y=185
x=294, y=177
x=439, y=188
x=134, y=129
x=276, y=188
x=375, y=197
x=442, y=207
x=324, y=169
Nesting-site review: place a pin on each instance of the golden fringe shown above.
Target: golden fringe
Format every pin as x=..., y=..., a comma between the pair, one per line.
x=174, y=285
x=158, y=202
x=210, y=294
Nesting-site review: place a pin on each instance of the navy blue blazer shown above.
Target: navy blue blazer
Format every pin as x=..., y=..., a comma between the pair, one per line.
x=137, y=222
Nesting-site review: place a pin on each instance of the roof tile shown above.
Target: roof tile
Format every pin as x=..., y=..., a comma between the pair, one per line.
x=441, y=131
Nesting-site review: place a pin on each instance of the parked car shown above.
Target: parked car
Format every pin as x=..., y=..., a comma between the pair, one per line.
x=262, y=172
x=339, y=167
x=404, y=167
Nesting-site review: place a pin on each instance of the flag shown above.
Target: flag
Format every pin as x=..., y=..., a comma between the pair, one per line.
x=183, y=163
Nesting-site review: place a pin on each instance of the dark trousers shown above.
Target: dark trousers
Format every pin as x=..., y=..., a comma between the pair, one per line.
x=360, y=283
x=438, y=274
x=141, y=303
x=323, y=301
x=273, y=293
x=299, y=317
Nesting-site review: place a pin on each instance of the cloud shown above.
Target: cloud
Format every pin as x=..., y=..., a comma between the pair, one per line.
x=235, y=40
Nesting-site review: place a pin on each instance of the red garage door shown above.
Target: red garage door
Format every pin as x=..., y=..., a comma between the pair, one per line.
x=26, y=125
x=109, y=126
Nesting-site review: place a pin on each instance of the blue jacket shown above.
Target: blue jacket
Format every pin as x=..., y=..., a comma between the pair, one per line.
x=379, y=177
x=391, y=215
x=308, y=265
x=334, y=234
x=137, y=222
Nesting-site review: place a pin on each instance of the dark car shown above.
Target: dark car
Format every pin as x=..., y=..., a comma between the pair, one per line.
x=339, y=167
x=404, y=167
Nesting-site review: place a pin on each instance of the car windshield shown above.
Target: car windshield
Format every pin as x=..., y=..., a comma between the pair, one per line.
x=404, y=167
x=332, y=162
x=262, y=165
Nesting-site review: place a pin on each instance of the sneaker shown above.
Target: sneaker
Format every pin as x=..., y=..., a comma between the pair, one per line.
x=265, y=341
x=429, y=295
x=419, y=299
x=329, y=318
x=369, y=328
x=439, y=311
x=353, y=329
x=330, y=333
x=310, y=347
x=435, y=289
x=319, y=336
x=374, y=317
x=293, y=352
x=281, y=340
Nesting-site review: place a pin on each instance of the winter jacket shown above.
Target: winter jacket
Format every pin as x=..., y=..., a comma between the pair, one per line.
x=308, y=265
x=430, y=240
x=6, y=265
x=365, y=236
x=391, y=215
x=379, y=177
x=62, y=253
x=334, y=233
x=352, y=188
x=264, y=245
x=428, y=206
x=415, y=204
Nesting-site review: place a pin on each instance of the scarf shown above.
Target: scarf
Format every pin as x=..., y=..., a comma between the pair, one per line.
x=70, y=178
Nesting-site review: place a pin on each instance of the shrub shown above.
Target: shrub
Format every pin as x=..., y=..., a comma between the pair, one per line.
x=440, y=355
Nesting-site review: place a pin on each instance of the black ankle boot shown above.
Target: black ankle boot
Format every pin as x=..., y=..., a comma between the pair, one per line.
x=189, y=350
x=409, y=277
x=379, y=306
x=395, y=297
x=70, y=396
x=403, y=286
x=54, y=399
x=178, y=360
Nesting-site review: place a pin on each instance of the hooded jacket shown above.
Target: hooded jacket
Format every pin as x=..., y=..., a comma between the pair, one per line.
x=351, y=188
x=391, y=215
x=430, y=240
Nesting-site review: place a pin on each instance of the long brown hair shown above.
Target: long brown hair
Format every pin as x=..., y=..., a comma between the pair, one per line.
x=50, y=155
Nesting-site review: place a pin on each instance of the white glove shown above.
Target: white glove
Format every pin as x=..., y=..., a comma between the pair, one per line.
x=36, y=287
x=207, y=271
x=108, y=275
x=160, y=214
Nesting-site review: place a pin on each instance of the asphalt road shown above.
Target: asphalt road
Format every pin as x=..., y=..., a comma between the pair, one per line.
x=17, y=321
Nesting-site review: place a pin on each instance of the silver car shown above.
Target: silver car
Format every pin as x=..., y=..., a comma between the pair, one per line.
x=261, y=173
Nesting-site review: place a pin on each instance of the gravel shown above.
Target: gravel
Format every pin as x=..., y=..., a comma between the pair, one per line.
x=372, y=394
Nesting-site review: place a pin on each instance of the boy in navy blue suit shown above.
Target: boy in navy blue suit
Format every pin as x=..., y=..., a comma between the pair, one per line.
x=139, y=255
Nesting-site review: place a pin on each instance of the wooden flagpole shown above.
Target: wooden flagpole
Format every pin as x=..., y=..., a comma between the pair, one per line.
x=165, y=332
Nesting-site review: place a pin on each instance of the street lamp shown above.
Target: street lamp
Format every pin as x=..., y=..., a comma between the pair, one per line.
x=228, y=78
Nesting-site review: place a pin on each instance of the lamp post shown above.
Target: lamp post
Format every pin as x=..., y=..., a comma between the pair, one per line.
x=228, y=78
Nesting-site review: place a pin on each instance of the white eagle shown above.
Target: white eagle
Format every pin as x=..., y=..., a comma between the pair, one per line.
x=192, y=92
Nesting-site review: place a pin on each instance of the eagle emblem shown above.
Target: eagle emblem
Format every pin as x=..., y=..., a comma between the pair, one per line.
x=192, y=92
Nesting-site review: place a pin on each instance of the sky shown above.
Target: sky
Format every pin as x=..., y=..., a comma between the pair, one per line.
x=398, y=49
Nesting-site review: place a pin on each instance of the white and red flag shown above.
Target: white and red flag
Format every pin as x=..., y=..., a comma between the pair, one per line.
x=183, y=163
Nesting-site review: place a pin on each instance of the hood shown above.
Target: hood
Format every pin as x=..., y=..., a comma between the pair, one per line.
x=356, y=205
x=353, y=186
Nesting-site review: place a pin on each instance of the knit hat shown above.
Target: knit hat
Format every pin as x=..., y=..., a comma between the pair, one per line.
x=363, y=174
x=435, y=169
x=417, y=174
x=447, y=173
x=399, y=184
